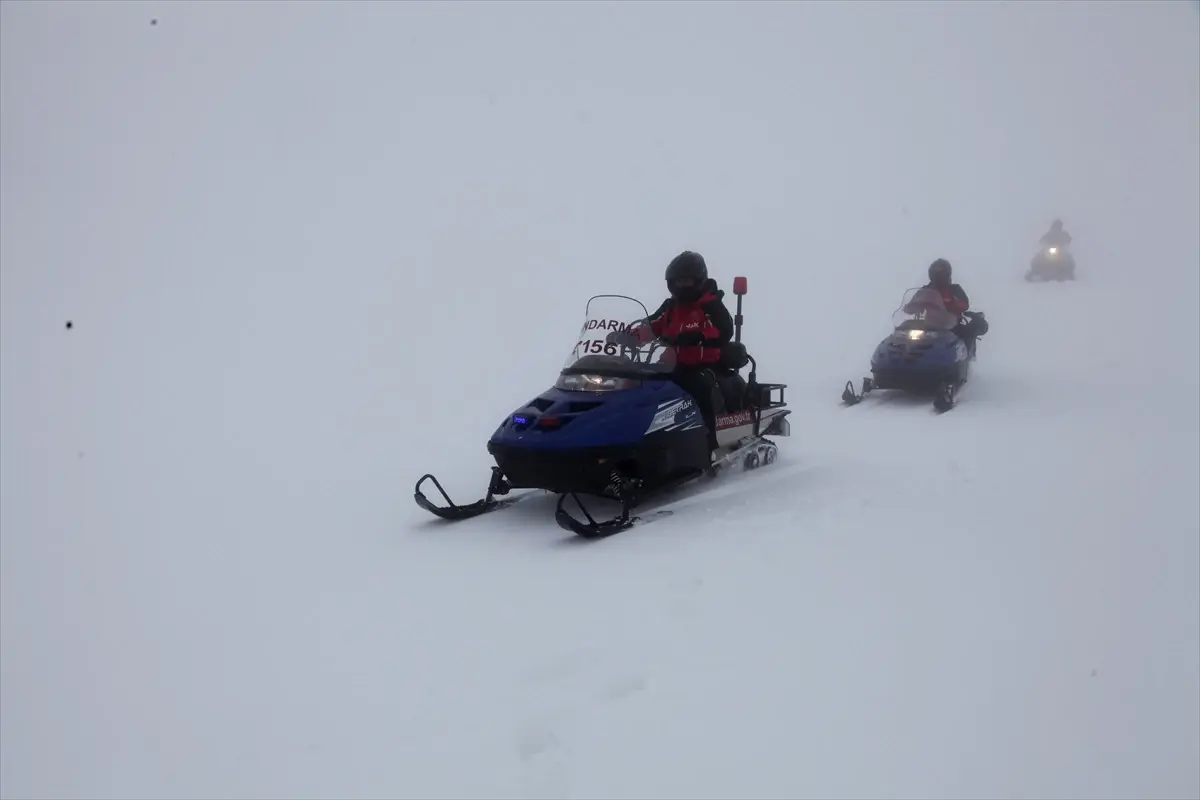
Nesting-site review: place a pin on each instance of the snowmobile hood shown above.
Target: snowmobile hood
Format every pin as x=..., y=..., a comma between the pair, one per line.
x=566, y=420
x=917, y=349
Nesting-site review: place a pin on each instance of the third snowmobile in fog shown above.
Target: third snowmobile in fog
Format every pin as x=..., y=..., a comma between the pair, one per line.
x=616, y=425
x=1053, y=260
x=1051, y=263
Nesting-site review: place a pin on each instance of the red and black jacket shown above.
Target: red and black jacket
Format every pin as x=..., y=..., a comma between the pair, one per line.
x=706, y=320
x=953, y=297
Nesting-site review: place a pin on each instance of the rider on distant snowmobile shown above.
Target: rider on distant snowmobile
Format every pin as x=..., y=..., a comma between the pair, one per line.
x=695, y=321
x=1057, y=236
x=956, y=302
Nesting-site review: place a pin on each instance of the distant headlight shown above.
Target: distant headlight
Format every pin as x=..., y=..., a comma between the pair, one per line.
x=1052, y=250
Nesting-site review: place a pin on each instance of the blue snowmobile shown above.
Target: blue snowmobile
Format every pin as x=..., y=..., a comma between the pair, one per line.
x=923, y=354
x=616, y=426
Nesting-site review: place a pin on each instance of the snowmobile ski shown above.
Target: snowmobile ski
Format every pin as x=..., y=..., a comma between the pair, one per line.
x=602, y=530
x=454, y=513
x=751, y=454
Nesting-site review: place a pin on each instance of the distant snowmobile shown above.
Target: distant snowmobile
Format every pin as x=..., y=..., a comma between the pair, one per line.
x=616, y=426
x=1052, y=263
x=923, y=354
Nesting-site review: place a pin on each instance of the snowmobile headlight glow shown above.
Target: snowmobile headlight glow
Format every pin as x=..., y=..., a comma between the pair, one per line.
x=1052, y=250
x=916, y=334
x=593, y=383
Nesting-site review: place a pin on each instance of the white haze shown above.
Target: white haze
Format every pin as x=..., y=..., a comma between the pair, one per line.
x=313, y=250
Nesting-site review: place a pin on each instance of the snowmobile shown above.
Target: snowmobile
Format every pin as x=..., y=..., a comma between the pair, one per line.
x=615, y=426
x=1053, y=263
x=923, y=354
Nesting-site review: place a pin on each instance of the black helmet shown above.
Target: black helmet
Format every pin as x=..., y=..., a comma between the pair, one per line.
x=1056, y=225
x=686, y=275
x=939, y=272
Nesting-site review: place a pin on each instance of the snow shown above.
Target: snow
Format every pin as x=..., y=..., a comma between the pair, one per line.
x=312, y=251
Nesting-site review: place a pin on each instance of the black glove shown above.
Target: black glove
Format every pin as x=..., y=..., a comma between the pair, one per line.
x=689, y=339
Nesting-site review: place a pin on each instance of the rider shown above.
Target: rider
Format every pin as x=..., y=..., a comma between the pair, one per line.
x=954, y=298
x=695, y=321
x=1057, y=236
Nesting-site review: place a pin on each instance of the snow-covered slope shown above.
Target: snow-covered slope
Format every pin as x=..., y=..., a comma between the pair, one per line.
x=312, y=251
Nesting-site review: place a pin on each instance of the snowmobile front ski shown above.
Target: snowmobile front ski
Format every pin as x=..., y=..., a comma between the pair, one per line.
x=752, y=453
x=850, y=398
x=946, y=397
x=452, y=512
x=624, y=490
x=601, y=530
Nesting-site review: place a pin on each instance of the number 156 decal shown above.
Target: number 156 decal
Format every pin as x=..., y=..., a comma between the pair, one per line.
x=596, y=346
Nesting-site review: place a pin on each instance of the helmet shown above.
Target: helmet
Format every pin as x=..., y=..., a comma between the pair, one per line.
x=1056, y=225
x=686, y=275
x=939, y=272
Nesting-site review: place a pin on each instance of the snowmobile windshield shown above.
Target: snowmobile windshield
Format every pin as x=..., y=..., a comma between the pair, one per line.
x=615, y=348
x=923, y=310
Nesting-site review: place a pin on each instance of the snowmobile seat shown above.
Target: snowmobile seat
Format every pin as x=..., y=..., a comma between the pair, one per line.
x=733, y=356
x=731, y=391
x=731, y=386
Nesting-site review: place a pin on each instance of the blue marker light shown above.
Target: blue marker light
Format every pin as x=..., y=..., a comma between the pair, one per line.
x=517, y=418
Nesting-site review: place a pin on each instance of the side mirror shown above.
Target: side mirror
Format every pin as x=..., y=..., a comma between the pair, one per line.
x=739, y=286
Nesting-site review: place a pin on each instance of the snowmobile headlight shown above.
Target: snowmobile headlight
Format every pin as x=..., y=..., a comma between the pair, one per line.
x=915, y=334
x=594, y=383
x=1052, y=250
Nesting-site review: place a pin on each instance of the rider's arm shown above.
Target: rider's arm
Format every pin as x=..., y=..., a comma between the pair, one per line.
x=961, y=296
x=659, y=317
x=719, y=315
